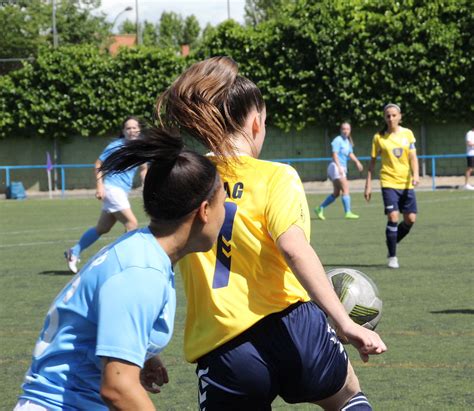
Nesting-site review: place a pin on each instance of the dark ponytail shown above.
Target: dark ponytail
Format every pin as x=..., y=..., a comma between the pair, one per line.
x=177, y=181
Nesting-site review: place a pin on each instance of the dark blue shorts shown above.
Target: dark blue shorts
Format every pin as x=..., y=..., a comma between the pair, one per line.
x=470, y=161
x=294, y=354
x=399, y=200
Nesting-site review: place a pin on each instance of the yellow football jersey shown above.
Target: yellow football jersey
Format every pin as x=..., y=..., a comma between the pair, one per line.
x=394, y=150
x=244, y=277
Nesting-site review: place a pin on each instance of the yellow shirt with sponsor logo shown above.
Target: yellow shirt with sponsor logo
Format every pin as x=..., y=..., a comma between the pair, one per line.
x=394, y=150
x=244, y=277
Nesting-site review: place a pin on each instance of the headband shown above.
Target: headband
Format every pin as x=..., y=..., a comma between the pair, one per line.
x=389, y=105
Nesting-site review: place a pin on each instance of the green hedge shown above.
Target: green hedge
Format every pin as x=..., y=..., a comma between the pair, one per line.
x=79, y=90
x=322, y=62
x=318, y=63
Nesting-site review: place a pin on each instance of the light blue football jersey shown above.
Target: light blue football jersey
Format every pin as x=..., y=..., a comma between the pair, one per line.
x=121, y=304
x=123, y=180
x=343, y=147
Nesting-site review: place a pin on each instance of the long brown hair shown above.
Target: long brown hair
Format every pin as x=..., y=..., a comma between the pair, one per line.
x=210, y=101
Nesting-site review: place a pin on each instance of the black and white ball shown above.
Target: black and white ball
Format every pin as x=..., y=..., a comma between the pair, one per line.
x=359, y=295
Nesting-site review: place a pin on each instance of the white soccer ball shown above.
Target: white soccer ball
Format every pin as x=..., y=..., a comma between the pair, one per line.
x=359, y=295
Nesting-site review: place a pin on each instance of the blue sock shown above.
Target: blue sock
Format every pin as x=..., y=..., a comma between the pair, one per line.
x=88, y=238
x=329, y=199
x=391, y=233
x=346, y=202
x=358, y=402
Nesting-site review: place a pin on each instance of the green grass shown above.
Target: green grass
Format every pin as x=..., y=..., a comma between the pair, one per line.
x=428, y=319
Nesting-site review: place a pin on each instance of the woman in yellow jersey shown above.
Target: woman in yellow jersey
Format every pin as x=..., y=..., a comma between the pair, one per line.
x=251, y=325
x=398, y=176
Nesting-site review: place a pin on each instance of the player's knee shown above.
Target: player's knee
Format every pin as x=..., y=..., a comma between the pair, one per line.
x=131, y=225
x=410, y=219
x=393, y=217
x=102, y=229
x=350, y=388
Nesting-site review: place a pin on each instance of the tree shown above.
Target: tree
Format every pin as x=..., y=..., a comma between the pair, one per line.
x=170, y=30
x=150, y=34
x=19, y=29
x=80, y=90
x=25, y=26
x=77, y=25
x=257, y=11
x=319, y=62
x=173, y=31
x=208, y=32
x=191, y=30
x=127, y=27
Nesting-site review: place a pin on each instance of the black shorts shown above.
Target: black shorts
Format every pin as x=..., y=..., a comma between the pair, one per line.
x=294, y=354
x=399, y=200
x=470, y=161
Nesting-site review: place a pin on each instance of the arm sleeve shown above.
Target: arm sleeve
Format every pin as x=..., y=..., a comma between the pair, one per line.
x=375, y=147
x=108, y=150
x=336, y=145
x=286, y=203
x=470, y=137
x=128, y=305
x=412, y=141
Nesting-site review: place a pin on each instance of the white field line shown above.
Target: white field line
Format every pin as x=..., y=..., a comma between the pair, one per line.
x=439, y=200
x=35, y=231
x=49, y=242
x=6, y=233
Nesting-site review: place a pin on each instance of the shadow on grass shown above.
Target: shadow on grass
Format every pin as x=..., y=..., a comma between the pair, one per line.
x=455, y=311
x=56, y=272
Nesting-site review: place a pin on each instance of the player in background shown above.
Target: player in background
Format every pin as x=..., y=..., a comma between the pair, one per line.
x=251, y=324
x=398, y=177
x=337, y=172
x=113, y=191
x=470, y=158
x=102, y=335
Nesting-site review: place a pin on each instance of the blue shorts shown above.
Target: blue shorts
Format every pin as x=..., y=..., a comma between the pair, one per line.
x=399, y=200
x=294, y=354
x=470, y=161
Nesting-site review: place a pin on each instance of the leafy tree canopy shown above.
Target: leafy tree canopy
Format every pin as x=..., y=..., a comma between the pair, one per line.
x=170, y=32
x=25, y=26
x=316, y=62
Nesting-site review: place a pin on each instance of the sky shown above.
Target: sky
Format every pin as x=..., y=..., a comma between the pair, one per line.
x=206, y=11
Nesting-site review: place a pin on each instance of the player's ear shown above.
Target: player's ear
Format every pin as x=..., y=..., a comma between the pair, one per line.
x=256, y=122
x=203, y=212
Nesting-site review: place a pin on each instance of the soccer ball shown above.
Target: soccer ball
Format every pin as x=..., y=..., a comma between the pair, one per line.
x=358, y=294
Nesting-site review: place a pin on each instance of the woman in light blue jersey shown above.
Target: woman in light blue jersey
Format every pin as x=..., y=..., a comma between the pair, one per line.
x=337, y=172
x=99, y=346
x=113, y=191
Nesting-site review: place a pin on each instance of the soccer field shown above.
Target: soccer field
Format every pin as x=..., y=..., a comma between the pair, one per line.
x=428, y=317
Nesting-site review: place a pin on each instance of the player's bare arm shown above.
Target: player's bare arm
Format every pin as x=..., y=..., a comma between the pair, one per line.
x=307, y=267
x=121, y=388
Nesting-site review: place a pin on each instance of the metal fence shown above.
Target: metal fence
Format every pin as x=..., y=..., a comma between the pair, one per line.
x=428, y=165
